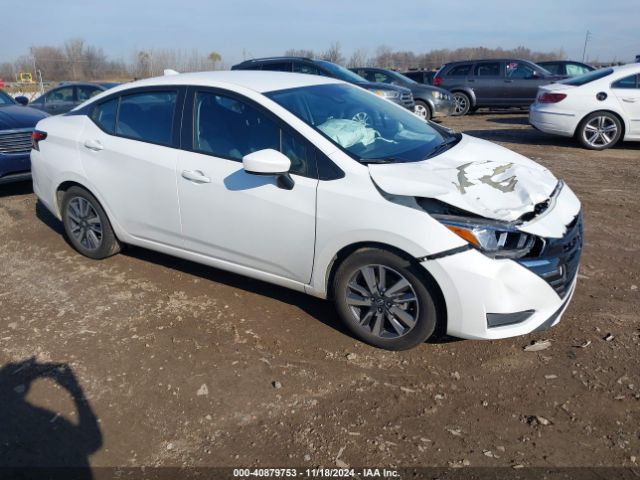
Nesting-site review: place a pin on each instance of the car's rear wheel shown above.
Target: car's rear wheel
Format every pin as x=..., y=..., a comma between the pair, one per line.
x=384, y=299
x=422, y=109
x=599, y=130
x=86, y=225
x=462, y=103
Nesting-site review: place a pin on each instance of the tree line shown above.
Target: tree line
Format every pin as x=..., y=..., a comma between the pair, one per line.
x=77, y=60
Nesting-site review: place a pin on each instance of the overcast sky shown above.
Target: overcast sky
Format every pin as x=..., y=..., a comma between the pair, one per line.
x=269, y=27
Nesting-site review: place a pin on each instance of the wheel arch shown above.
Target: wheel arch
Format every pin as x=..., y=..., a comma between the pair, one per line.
x=467, y=91
x=603, y=110
x=343, y=254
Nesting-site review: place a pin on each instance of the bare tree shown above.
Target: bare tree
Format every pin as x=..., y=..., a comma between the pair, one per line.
x=300, y=52
x=74, y=50
x=333, y=54
x=359, y=58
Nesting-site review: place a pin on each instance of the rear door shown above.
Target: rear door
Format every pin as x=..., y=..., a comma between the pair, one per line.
x=522, y=80
x=488, y=83
x=129, y=151
x=627, y=90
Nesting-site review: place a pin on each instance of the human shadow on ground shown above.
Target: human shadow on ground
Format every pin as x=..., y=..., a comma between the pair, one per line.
x=39, y=443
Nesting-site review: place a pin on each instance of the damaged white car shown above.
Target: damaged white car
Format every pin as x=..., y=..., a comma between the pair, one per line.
x=319, y=186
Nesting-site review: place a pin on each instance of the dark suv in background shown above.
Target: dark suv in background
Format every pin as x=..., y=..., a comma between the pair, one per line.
x=431, y=102
x=421, y=76
x=400, y=95
x=493, y=83
x=569, y=68
x=68, y=95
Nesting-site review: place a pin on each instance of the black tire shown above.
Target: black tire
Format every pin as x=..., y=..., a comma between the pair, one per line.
x=462, y=104
x=423, y=110
x=92, y=238
x=422, y=310
x=604, y=127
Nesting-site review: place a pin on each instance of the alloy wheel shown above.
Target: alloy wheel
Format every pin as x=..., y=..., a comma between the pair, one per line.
x=421, y=111
x=462, y=104
x=84, y=223
x=382, y=301
x=600, y=131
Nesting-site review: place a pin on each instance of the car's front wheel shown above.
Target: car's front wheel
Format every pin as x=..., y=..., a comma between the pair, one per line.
x=86, y=225
x=384, y=299
x=599, y=130
x=422, y=109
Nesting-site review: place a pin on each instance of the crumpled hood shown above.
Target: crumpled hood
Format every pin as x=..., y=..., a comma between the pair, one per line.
x=17, y=116
x=476, y=176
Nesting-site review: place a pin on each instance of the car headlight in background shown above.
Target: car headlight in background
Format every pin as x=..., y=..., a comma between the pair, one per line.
x=491, y=238
x=439, y=95
x=387, y=93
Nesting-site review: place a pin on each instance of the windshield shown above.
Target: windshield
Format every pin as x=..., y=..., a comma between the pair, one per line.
x=400, y=77
x=341, y=72
x=5, y=99
x=368, y=128
x=588, y=77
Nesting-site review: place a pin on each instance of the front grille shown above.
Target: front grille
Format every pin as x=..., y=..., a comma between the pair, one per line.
x=15, y=141
x=558, y=260
x=406, y=99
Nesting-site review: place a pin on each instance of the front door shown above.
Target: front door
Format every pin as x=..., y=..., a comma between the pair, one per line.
x=230, y=215
x=522, y=81
x=60, y=100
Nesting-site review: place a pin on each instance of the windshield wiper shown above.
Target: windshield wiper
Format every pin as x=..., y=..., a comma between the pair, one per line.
x=446, y=145
x=367, y=161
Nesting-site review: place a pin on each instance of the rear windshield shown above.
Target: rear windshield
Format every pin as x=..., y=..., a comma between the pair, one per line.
x=588, y=77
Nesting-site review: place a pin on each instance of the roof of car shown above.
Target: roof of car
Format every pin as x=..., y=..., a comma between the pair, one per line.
x=257, y=80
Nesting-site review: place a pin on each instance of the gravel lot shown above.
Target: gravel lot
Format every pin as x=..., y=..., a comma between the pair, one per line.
x=186, y=365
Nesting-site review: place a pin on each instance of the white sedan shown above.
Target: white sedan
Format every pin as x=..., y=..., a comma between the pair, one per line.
x=320, y=186
x=598, y=109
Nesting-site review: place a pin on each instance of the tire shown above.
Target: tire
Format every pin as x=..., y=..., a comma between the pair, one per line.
x=423, y=110
x=599, y=130
x=463, y=104
x=87, y=226
x=378, y=316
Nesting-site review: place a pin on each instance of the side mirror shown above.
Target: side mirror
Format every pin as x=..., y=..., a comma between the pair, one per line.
x=22, y=100
x=269, y=162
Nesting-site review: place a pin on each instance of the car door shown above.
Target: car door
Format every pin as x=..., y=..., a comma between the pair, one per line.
x=59, y=100
x=129, y=152
x=488, y=83
x=522, y=80
x=230, y=215
x=627, y=91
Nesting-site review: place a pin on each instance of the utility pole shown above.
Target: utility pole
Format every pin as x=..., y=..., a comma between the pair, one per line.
x=587, y=37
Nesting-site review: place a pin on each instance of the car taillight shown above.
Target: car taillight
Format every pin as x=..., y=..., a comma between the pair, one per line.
x=437, y=81
x=37, y=136
x=551, y=97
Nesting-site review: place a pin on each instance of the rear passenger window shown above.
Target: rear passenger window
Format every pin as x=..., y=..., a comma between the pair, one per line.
x=460, y=71
x=277, y=66
x=488, y=69
x=147, y=116
x=104, y=115
x=305, y=68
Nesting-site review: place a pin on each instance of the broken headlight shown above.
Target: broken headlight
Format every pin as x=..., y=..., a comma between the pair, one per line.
x=494, y=239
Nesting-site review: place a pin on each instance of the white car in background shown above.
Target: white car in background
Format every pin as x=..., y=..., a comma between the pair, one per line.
x=598, y=108
x=320, y=186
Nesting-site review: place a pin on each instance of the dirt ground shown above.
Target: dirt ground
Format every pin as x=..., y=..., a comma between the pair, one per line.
x=182, y=364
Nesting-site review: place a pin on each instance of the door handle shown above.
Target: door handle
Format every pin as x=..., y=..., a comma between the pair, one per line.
x=508, y=81
x=629, y=100
x=94, y=145
x=195, y=176
x=470, y=80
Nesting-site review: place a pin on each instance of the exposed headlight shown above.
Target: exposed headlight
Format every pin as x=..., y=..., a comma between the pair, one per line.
x=438, y=95
x=491, y=238
x=387, y=93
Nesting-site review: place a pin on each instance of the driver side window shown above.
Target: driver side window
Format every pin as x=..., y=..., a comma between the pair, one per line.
x=517, y=70
x=226, y=127
x=60, y=95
